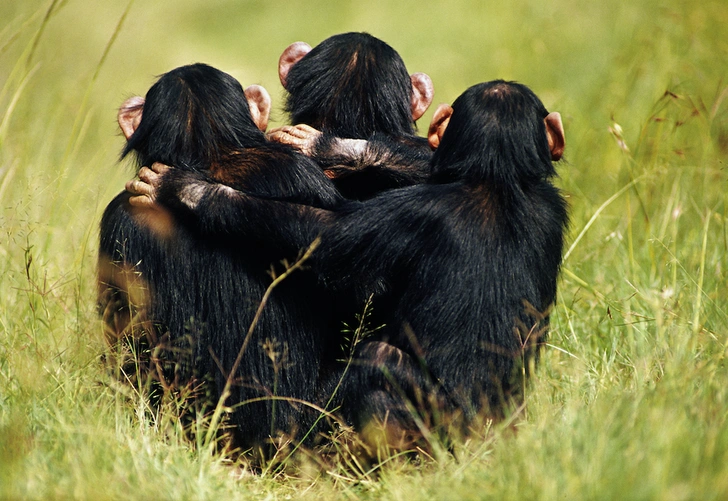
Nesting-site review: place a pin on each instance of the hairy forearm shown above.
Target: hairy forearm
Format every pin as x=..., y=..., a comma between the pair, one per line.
x=375, y=153
x=218, y=211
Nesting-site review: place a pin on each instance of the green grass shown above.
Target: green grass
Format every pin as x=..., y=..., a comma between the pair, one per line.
x=630, y=400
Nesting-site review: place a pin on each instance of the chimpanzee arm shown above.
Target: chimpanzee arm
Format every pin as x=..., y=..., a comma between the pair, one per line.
x=362, y=168
x=363, y=243
x=217, y=211
x=371, y=243
x=404, y=163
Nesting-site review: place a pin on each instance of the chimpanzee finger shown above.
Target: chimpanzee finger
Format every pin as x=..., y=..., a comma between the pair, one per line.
x=303, y=130
x=136, y=187
x=282, y=128
x=285, y=137
x=148, y=176
x=142, y=201
x=160, y=168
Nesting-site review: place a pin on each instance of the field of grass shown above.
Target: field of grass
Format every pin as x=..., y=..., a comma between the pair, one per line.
x=631, y=397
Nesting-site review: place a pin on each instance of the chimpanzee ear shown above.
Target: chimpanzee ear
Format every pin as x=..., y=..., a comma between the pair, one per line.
x=130, y=115
x=555, y=135
x=438, y=125
x=422, y=93
x=259, y=103
x=291, y=56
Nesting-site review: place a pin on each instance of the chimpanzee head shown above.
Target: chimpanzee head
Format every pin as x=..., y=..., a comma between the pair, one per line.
x=193, y=117
x=353, y=85
x=496, y=130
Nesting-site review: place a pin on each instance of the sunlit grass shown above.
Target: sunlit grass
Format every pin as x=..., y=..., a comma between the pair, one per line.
x=629, y=401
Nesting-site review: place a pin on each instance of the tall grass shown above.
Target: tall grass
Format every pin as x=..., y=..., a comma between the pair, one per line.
x=630, y=399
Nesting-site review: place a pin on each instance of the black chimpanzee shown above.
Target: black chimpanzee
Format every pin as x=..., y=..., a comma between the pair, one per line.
x=356, y=107
x=468, y=261
x=167, y=288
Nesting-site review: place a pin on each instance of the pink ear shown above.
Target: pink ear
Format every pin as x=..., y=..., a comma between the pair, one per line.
x=439, y=123
x=259, y=103
x=291, y=55
x=130, y=115
x=555, y=135
x=422, y=93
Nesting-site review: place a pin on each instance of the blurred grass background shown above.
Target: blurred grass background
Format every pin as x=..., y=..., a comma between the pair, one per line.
x=630, y=401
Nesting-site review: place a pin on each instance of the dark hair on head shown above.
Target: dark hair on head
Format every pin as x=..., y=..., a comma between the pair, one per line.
x=193, y=117
x=351, y=85
x=496, y=133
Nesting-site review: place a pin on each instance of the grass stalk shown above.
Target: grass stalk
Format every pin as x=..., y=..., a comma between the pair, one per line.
x=697, y=305
x=75, y=137
x=596, y=214
x=226, y=392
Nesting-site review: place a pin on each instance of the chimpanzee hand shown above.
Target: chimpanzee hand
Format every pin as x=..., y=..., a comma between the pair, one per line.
x=144, y=189
x=302, y=137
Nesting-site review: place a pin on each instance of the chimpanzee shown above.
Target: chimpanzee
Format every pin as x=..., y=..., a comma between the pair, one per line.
x=168, y=288
x=469, y=260
x=356, y=107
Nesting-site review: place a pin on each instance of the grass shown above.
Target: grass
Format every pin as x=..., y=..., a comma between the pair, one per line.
x=630, y=400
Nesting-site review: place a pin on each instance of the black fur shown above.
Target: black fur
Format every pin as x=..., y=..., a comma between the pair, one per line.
x=203, y=296
x=463, y=268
